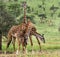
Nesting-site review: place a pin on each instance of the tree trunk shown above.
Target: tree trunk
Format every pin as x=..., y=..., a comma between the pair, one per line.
x=0, y=40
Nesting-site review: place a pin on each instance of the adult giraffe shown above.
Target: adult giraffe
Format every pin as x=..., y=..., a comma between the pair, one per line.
x=22, y=32
x=25, y=21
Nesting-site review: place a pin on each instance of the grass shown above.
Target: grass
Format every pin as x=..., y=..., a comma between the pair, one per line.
x=49, y=49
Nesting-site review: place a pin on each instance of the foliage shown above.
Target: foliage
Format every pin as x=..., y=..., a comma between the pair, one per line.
x=6, y=19
x=37, y=11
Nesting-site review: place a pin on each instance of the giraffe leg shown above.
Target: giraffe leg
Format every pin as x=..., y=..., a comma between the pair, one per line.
x=39, y=43
x=19, y=42
x=31, y=42
x=13, y=41
x=8, y=43
x=23, y=45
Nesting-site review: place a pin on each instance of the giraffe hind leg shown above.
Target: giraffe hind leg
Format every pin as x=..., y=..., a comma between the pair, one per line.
x=8, y=43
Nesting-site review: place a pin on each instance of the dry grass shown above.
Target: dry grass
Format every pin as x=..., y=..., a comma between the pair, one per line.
x=55, y=53
x=49, y=53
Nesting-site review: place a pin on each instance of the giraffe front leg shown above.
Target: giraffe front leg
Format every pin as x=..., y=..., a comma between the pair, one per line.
x=39, y=43
x=24, y=46
x=19, y=42
x=13, y=41
x=31, y=42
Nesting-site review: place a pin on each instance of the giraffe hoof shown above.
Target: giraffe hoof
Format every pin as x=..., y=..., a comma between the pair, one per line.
x=17, y=52
x=32, y=52
x=5, y=52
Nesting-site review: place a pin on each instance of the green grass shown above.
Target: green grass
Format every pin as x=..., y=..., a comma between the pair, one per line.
x=49, y=49
x=52, y=45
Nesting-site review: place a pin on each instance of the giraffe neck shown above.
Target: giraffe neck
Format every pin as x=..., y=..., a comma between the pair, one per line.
x=25, y=20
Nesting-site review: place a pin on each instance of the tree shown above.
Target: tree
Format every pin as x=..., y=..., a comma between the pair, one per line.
x=0, y=40
x=42, y=17
x=53, y=10
x=6, y=19
x=43, y=14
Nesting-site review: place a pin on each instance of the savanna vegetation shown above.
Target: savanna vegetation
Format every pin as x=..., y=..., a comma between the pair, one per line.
x=45, y=14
